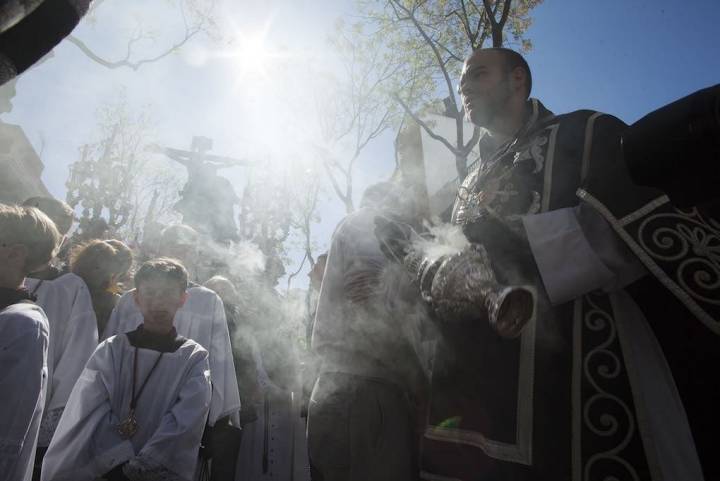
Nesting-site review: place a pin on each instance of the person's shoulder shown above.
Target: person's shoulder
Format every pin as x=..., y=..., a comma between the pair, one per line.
x=108, y=350
x=362, y=214
x=588, y=116
x=114, y=342
x=23, y=317
x=192, y=349
x=357, y=221
x=70, y=283
x=198, y=290
x=126, y=298
x=197, y=294
x=69, y=279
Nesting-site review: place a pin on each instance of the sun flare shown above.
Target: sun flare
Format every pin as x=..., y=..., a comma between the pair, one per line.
x=253, y=56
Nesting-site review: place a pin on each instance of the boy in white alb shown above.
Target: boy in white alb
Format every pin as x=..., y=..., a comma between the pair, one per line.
x=28, y=239
x=138, y=410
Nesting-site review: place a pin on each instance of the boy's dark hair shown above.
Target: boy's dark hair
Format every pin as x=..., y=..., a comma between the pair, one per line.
x=164, y=268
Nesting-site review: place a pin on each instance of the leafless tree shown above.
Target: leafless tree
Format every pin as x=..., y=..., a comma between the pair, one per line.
x=305, y=195
x=114, y=179
x=353, y=110
x=195, y=16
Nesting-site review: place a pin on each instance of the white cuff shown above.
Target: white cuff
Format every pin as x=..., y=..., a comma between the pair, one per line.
x=568, y=265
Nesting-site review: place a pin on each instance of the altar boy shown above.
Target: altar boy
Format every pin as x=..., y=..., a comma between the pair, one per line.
x=139, y=408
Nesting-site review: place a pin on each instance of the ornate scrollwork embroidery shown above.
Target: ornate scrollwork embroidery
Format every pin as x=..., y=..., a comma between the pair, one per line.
x=605, y=414
x=686, y=234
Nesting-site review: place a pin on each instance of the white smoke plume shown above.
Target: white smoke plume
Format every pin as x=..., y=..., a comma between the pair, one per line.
x=444, y=239
x=243, y=259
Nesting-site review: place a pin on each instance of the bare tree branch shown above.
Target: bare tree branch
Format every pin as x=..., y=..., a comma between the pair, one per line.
x=452, y=55
x=200, y=24
x=505, y=14
x=380, y=127
x=497, y=25
x=335, y=185
x=292, y=275
x=126, y=62
x=430, y=44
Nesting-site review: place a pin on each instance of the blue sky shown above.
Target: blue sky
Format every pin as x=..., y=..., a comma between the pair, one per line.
x=624, y=57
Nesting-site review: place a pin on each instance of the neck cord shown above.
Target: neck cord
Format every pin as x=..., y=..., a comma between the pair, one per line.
x=134, y=398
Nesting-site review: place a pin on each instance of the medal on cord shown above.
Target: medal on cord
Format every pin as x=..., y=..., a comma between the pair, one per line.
x=128, y=427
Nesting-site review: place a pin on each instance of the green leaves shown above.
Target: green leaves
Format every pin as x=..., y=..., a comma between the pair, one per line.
x=426, y=42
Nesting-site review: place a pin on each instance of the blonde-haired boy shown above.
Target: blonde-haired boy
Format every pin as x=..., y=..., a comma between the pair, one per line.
x=63, y=217
x=28, y=240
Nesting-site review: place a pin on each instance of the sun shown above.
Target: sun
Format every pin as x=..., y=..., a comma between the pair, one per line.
x=251, y=53
x=253, y=56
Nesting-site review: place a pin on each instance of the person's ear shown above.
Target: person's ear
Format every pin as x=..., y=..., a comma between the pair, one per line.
x=518, y=79
x=183, y=298
x=17, y=255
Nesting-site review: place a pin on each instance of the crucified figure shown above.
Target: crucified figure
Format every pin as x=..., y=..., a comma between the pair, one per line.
x=207, y=201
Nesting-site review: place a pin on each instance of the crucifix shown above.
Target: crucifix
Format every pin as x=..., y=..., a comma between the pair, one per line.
x=207, y=200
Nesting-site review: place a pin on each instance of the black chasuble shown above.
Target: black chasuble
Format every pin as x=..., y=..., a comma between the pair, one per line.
x=556, y=403
x=680, y=298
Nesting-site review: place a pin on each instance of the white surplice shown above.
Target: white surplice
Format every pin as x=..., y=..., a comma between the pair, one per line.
x=73, y=338
x=170, y=413
x=274, y=446
x=201, y=319
x=23, y=379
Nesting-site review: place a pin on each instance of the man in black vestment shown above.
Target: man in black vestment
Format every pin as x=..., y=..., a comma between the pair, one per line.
x=613, y=376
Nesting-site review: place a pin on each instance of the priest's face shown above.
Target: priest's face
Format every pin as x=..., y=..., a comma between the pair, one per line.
x=484, y=88
x=158, y=301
